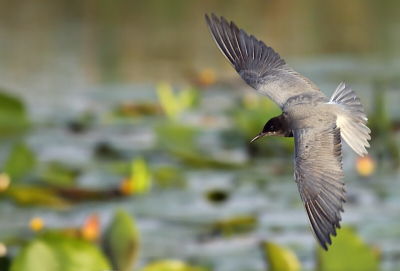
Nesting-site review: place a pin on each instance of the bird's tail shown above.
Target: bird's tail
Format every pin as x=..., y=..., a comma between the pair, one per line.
x=351, y=119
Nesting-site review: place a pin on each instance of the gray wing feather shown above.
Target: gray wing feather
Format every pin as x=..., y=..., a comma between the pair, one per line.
x=318, y=173
x=259, y=65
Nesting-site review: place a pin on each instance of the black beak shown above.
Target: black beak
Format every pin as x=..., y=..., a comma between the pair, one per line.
x=260, y=135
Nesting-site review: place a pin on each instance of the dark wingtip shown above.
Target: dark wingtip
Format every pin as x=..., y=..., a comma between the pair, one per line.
x=208, y=19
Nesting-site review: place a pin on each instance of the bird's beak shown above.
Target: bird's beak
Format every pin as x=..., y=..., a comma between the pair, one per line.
x=260, y=135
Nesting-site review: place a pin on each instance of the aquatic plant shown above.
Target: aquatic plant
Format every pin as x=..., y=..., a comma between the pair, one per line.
x=174, y=104
x=121, y=241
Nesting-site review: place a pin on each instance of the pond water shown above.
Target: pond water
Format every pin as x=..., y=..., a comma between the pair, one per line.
x=177, y=222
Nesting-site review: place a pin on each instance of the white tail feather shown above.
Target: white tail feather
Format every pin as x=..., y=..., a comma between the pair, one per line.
x=352, y=119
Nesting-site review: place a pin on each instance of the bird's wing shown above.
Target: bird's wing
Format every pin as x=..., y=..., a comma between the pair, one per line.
x=318, y=174
x=258, y=64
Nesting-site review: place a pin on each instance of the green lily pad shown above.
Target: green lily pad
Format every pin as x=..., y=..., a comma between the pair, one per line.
x=58, y=252
x=121, y=241
x=280, y=258
x=59, y=175
x=180, y=141
x=235, y=225
x=348, y=252
x=175, y=136
x=31, y=195
x=173, y=103
x=171, y=265
x=13, y=115
x=169, y=177
x=20, y=162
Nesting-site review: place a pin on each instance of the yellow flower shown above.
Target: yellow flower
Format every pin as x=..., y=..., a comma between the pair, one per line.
x=365, y=166
x=4, y=181
x=36, y=224
x=207, y=77
x=91, y=228
x=127, y=187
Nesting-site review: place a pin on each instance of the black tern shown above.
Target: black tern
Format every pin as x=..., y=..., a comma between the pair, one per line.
x=316, y=123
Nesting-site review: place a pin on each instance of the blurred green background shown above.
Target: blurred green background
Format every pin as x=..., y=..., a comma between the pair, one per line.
x=124, y=137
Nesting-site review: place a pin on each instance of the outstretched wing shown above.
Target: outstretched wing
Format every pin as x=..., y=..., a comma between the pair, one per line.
x=318, y=173
x=258, y=64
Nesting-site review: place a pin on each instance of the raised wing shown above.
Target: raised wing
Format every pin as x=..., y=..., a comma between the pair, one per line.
x=318, y=173
x=258, y=64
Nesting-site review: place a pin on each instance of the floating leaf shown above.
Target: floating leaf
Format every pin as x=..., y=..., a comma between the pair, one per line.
x=171, y=265
x=13, y=116
x=20, y=162
x=348, y=252
x=76, y=194
x=169, y=177
x=140, y=175
x=139, y=180
x=57, y=252
x=175, y=136
x=174, y=104
x=30, y=195
x=280, y=258
x=168, y=101
x=121, y=241
x=181, y=141
x=235, y=225
x=134, y=109
x=59, y=175
x=187, y=98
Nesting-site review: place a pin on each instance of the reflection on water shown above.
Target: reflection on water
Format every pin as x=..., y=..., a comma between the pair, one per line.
x=140, y=41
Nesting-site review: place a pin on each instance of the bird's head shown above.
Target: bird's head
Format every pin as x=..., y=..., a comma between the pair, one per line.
x=274, y=127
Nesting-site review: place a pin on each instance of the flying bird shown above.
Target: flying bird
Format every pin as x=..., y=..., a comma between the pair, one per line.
x=317, y=124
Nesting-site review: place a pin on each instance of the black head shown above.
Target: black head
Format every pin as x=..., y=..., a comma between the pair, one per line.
x=275, y=127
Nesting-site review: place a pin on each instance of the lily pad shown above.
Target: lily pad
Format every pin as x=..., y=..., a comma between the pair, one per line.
x=31, y=195
x=13, y=115
x=281, y=258
x=20, y=162
x=348, y=252
x=235, y=225
x=58, y=252
x=169, y=177
x=171, y=265
x=140, y=175
x=121, y=241
x=180, y=141
x=174, y=104
x=59, y=175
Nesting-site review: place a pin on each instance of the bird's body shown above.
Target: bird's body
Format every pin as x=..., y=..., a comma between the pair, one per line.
x=316, y=122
